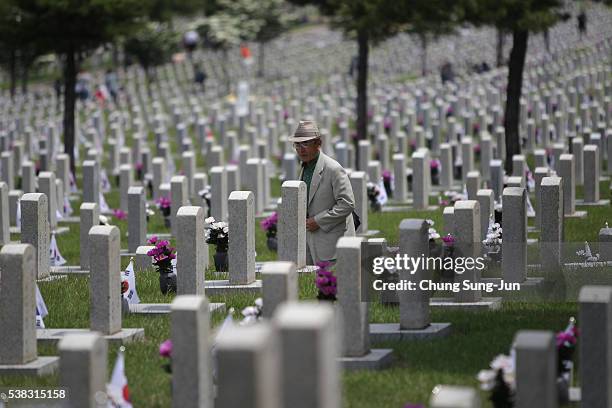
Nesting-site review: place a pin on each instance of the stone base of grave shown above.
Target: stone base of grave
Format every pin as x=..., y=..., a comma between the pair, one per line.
x=43, y=365
x=454, y=187
x=68, y=270
x=259, y=265
x=223, y=287
x=368, y=233
x=70, y=219
x=264, y=214
x=124, y=252
x=396, y=208
x=577, y=214
x=392, y=332
x=599, y=203
x=575, y=394
x=161, y=235
x=51, y=337
x=51, y=278
x=532, y=241
x=376, y=359
x=15, y=230
x=486, y=303
x=532, y=229
x=60, y=230
x=153, y=309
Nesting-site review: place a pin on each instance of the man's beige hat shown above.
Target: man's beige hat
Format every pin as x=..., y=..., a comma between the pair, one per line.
x=306, y=130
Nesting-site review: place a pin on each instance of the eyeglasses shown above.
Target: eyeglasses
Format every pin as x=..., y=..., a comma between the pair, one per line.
x=302, y=145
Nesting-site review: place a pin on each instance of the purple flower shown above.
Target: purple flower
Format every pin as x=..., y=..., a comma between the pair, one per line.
x=163, y=202
x=139, y=166
x=152, y=240
x=119, y=214
x=165, y=349
x=448, y=240
x=565, y=338
x=386, y=175
x=387, y=123
x=434, y=164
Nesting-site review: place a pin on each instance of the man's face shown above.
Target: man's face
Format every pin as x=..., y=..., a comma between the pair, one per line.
x=308, y=150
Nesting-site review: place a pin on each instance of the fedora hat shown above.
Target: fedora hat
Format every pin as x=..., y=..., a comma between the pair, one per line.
x=306, y=130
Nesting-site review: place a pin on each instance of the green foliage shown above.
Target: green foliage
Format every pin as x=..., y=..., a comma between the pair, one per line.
x=81, y=25
x=220, y=31
x=152, y=45
x=511, y=15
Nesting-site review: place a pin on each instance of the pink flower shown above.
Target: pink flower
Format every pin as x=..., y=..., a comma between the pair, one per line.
x=152, y=240
x=119, y=214
x=386, y=175
x=448, y=240
x=165, y=349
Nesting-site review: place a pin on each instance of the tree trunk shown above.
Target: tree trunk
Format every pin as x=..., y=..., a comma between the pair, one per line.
x=260, y=70
x=362, y=85
x=226, y=77
x=513, y=95
x=70, y=74
x=25, y=75
x=13, y=72
x=500, y=47
x=423, y=38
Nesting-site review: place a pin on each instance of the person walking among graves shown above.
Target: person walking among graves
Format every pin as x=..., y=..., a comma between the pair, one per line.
x=330, y=200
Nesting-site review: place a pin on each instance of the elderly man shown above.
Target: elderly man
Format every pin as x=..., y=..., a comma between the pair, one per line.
x=330, y=196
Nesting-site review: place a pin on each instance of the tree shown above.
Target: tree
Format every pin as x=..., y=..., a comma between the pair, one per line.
x=151, y=45
x=72, y=28
x=220, y=32
x=519, y=17
x=368, y=22
x=18, y=48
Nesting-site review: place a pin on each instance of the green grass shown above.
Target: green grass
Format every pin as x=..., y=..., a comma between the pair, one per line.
x=419, y=366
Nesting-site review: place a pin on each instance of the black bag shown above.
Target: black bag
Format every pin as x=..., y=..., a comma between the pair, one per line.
x=356, y=220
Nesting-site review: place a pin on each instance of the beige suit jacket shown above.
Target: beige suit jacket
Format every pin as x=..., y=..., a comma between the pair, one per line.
x=331, y=203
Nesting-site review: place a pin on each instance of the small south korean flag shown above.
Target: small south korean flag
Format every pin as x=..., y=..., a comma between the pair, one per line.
x=41, y=310
x=55, y=257
x=128, y=276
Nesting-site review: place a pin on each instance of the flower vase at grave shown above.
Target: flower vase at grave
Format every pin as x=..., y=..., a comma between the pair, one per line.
x=409, y=181
x=167, y=280
x=434, y=167
x=272, y=243
x=221, y=260
x=457, y=171
x=387, y=184
x=326, y=298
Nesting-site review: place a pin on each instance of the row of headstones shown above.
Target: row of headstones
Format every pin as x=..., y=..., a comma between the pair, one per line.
x=536, y=361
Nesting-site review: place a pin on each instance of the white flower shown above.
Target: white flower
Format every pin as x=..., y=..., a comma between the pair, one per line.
x=209, y=220
x=226, y=229
x=259, y=302
x=250, y=311
x=430, y=222
x=486, y=378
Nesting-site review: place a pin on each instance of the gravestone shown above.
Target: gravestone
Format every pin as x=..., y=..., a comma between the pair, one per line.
x=89, y=214
x=567, y=173
x=35, y=229
x=137, y=219
x=248, y=360
x=180, y=198
x=91, y=182
x=487, y=210
x=539, y=174
x=192, y=382
x=605, y=243
x=159, y=175
x=472, y=184
x=46, y=185
x=291, y=223
x=241, y=254
x=125, y=181
x=497, y=178
x=5, y=235
x=595, y=346
x=8, y=172
x=279, y=285
x=83, y=368
x=400, y=181
x=28, y=177
x=308, y=330
x=467, y=244
x=420, y=180
x=359, y=186
x=255, y=183
x=446, y=166
x=218, y=190
x=514, y=243
x=104, y=279
x=414, y=304
x=578, y=152
x=536, y=369
x=591, y=174
x=551, y=237
x=192, y=251
x=18, y=348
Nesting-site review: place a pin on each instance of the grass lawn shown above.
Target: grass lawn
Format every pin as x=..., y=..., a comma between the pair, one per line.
x=476, y=337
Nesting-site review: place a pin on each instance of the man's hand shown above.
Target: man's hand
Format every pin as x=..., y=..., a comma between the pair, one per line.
x=311, y=225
